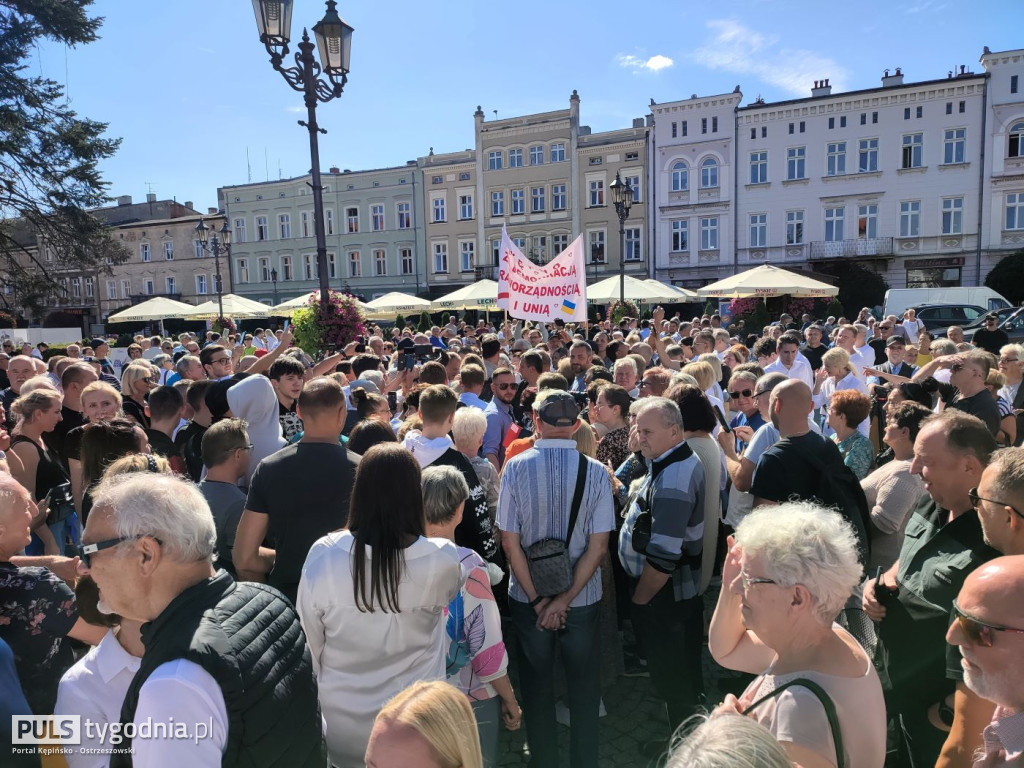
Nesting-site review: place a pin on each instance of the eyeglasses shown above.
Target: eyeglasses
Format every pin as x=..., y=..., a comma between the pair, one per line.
x=220, y=360
x=1008, y=360
x=762, y=392
x=86, y=551
x=748, y=580
x=505, y=386
x=975, y=500
x=979, y=632
x=248, y=447
x=641, y=384
x=741, y=393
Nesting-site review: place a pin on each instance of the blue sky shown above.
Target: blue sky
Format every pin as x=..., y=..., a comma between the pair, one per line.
x=188, y=86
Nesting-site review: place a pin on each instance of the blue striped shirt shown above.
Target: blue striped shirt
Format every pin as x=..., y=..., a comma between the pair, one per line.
x=535, y=500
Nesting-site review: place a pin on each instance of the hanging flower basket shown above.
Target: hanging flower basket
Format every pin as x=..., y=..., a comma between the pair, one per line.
x=225, y=326
x=330, y=326
x=620, y=309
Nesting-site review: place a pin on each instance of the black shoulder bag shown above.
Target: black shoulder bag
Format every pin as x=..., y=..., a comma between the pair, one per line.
x=548, y=559
x=826, y=703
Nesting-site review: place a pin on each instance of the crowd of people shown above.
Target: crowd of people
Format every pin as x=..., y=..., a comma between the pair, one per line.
x=327, y=557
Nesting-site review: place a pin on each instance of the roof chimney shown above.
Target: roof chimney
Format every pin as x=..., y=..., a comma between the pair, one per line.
x=821, y=88
x=151, y=197
x=334, y=169
x=188, y=203
x=212, y=211
x=124, y=200
x=894, y=79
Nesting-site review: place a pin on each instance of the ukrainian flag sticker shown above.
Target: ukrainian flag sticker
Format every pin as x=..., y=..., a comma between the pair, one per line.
x=568, y=307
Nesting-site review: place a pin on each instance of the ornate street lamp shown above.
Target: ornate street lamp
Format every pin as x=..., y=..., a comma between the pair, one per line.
x=334, y=41
x=213, y=245
x=622, y=197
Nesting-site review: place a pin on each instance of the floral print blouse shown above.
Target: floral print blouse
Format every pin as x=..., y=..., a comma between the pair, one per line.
x=858, y=453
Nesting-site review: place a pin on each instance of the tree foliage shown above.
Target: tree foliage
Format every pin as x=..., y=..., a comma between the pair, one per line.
x=1007, y=277
x=49, y=156
x=858, y=285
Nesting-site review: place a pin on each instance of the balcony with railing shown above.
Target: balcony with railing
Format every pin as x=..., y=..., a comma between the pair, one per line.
x=486, y=271
x=865, y=247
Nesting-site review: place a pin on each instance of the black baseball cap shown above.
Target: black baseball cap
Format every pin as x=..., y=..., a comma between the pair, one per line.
x=559, y=409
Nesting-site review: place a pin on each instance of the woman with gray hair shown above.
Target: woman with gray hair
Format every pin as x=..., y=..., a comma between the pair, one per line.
x=477, y=660
x=727, y=741
x=788, y=574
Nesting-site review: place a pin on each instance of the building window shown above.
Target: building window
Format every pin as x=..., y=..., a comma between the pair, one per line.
x=437, y=204
x=377, y=217
x=673, y=130
x=709, y=234
x=867, y=222
x=863, y=118
x=467, y=255
x=197, y=249
x=842, y=121
x=148, y=287
x=329, y=221
x=633, y=252
x=714, y=125
x=836, y=162
x=796, y=159
x=803, y=126
x=464, y=176
x=309, y=267
x=434, y=180
x=170, y=285
x=515, y=158
x=465, y=207
x=913, y=148
x=949, y=107
x=201, y=285
x=558, y=197
x=910, y=218
x=287, y=273
x=682, y=128
x=558, y=153
x=1015, y=210
x=954, y=146
x=404, y=215
x=1013, y=83
x=596, y=160
x=355, y=265
x=920, y=112
x=791, y=128
x=596, y=193
x=304, y=223
x=559, y=243
x=963, y=107
x=405, y=255
x=168, y=250
x=758, y=230
x=794, y=227
x=680, y=177
x=352, y=220
x=284, y=225
x=597, y=254
x=126, y=289
x=440, y=257
x=88, y=288
x=111, y=289
x=634, y=184
x=764, y=131
x=537, y=155
x=494, y=161
x=680, y=236
x=952, y=216
x=1016, y=146
x=709, y=173
x=834, y=218
x=144, y=251
x=518, y=202
x=497, y=203
x=239, y=233
x=264, y=270
x=703, y=125
x=332, y=265
x=906, y=113
x=867, y=158
x=380, y=263
x=758, y=167
x=874, y=117
x=262, y=230
x=537, y=200
x=243, y=270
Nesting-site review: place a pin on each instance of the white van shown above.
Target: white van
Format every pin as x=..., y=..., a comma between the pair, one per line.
x=898, y=300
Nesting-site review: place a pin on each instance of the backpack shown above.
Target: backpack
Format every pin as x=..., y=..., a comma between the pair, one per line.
x=839, y=488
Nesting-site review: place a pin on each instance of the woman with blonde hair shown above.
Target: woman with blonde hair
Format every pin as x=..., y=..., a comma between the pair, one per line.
x=429, y=725
x=836, y=373
x=136, y=382
x=704, y=374
x=100, y=402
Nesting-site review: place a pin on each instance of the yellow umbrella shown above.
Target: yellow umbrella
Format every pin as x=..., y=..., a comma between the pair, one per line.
x=767, y=281
x=480, y=295
x=235, y=307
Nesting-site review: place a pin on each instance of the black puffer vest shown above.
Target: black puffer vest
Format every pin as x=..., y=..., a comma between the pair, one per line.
x=247, y=636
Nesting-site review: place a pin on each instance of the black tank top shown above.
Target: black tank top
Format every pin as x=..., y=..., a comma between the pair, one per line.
x=49, y=471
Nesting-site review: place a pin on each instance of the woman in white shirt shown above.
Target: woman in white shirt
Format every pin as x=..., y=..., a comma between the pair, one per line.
x=836, y=373
x=372, y=599
x=912, y=327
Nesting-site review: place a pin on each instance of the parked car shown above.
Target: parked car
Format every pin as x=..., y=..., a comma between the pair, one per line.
x=1011, y=320
x=898, y=300
x=938, y=317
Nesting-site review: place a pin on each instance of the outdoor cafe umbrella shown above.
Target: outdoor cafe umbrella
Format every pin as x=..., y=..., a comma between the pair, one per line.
x=767, y=281
x=290, y=307
x=158, y=308
x=235, y=307
x=391, y=304
x=479, y=295
x=669, y=292
x=606, y=291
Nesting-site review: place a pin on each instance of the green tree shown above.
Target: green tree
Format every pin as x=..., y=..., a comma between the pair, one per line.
x=49, y=156
x=1007, y=277
x=858, y=286
x=399, y=322
x=425, y=322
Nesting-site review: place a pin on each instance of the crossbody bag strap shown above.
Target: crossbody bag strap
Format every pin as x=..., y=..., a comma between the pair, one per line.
x=827, y=705
x=577, y=498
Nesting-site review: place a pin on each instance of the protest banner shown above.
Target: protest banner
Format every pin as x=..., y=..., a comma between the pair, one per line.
x=557, y=289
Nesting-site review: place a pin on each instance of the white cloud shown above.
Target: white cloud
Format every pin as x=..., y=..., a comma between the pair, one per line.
x=654, y=64
x=739, y=49
x=295, y=109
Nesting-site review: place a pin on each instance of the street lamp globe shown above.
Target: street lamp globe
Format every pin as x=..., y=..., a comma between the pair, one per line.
x=225, y=234
x=622, y=194
x=334, y=41
x=202, y=232
x=274, y=19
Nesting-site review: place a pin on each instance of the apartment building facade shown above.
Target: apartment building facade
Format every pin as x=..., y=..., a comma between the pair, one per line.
x=375, y=238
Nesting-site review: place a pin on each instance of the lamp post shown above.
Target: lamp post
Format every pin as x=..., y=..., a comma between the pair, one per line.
x=622, y=197
x=213, y=245
x=334, y=41
x=273, y=279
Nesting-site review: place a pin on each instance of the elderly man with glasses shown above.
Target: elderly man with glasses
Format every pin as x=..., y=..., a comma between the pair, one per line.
x=966, y=390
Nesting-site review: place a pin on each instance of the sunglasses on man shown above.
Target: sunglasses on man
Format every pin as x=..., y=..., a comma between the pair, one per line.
x=86, y=551
x=979, y=632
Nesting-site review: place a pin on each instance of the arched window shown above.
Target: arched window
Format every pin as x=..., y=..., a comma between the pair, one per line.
x=680, y=177
x=709, y=173
x=1016, y=140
